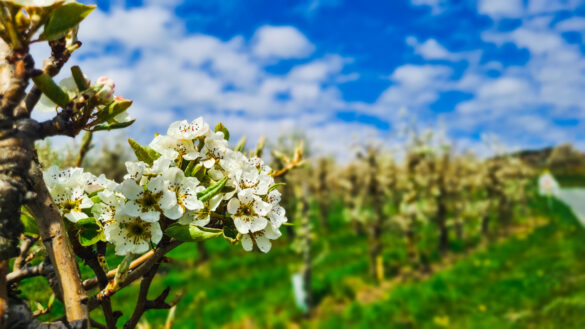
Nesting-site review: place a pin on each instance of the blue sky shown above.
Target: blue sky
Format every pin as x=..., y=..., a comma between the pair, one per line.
x=343, y=71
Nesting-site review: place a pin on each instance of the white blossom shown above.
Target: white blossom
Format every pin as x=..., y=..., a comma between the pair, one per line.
x=173, y=148
x=186, y=189
x=132, y=235
x=183, y=130
x=150, y=203
x=261, y=239
x=248, y=212
x=214, y=148
x=71, y=201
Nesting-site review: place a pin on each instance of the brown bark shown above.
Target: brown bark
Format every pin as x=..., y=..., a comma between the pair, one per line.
x=54, y=236
x=3, y=291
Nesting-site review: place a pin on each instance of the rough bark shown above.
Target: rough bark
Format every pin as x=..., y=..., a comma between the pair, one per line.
x=55, y=239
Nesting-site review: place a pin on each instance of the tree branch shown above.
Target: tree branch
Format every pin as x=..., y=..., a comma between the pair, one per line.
x=139, y=272
x=51, y=66
x=93, y=282
x=54, y=237
x=29, y=272
x=26, y=243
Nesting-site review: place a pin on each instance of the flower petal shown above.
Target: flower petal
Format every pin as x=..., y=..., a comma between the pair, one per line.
x=247, y=242
x=233, y=206
x=242, y=224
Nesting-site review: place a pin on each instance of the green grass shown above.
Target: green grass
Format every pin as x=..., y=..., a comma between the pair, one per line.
x=532, y=282
x=536, y=280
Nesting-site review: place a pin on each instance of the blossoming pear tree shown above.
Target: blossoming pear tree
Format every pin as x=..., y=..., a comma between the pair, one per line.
x=187, y=185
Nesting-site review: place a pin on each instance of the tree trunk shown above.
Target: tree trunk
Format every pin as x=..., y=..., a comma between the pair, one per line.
x=376, y=264
x=442, y=225
x=411, y=248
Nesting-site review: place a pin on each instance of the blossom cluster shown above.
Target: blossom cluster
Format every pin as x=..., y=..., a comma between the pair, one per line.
x=194, y=178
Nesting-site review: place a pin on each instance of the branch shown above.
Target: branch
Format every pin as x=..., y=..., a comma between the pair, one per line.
x=51, y=66
x=56, y=241
x=26, y=243
x=29, y=272
x=144, y=304
x=139, y=272
x=19, y=316
x=85, y=146
x=93, y=282
x=143, y=297
x=23, y=65
x=90, y=257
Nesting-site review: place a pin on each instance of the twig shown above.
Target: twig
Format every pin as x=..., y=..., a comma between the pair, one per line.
x=96, y=324
x=141, y=304
x=139, y=272
x=27, y=242
x=29, y=272
x=91, y=260
x=85, y=146
x=51, y=66
x=93, y=282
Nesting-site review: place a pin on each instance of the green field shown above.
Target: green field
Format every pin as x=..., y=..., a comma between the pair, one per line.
x=527, y=280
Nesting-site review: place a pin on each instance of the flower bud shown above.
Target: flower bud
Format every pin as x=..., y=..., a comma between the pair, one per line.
x=104, y=88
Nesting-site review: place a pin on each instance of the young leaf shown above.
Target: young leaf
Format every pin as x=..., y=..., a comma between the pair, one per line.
x=48, y=86
x=113, y=126
x=90, y=232
x=241, y=144
x=223, y=129
x=30, y=225
x=275, y=186
x=63, y=19
x=260, y=147
x=143, y=153
x=189, y=233
x=79, y=79
x=209, y=192
x=191, y=172
x=115, y=108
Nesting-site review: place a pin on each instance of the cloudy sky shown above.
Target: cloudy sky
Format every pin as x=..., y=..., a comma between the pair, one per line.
x=344, y=70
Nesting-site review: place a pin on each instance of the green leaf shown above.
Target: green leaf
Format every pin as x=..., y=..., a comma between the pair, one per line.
x=116, y=107
x=260, y=147
x=113, y=126
x=89, y=232
x=30, y=225
x=63, y=19
x=189, y=233
x=95, y=199
x=122, y=271
x=241, y=144
x=191, y=172
x=209, y=192
x=223, y=129
x=143, y=153
x=48, y=86
x=79, y=79
x=275, y=186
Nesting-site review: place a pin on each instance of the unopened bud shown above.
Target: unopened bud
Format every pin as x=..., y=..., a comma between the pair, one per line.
x=104, y=88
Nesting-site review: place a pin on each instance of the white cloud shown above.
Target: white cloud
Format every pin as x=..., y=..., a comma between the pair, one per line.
x=571, y=24
x=437, y=6
x=501, y=8
x=430, y=49
x=171, y=75
x=281, y=42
